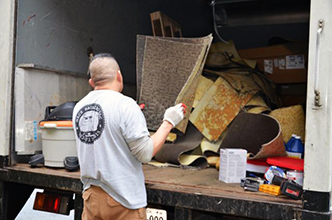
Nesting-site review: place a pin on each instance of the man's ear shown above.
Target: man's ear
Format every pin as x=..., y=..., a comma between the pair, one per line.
x=119, y=76
x=91, y=83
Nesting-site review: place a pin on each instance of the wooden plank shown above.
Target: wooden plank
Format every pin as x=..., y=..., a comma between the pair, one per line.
x=164, y=26
x=198, y=182
x=45, y=170
x=205, y=182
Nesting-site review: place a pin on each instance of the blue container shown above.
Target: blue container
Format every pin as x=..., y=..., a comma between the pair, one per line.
x=296, y=150
x=297, y=145
x=290, y=142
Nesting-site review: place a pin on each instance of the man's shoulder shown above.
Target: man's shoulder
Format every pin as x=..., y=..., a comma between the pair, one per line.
x=128, y=99
x=106, y=98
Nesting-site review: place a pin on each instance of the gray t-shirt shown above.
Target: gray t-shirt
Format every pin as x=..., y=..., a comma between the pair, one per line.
x=105, y=122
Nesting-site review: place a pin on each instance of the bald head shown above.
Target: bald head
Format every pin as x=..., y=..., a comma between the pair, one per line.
x=103, y=69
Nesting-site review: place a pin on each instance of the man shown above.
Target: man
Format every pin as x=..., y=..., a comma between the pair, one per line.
x=112, y=143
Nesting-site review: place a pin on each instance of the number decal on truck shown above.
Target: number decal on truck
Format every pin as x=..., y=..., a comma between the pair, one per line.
x=156, y=214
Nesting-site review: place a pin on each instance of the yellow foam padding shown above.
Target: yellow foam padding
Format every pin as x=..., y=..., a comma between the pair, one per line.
x=230, y=48
x=213, y=160
x=257, y=100
x=203, y=85
x=207, y=145
x=160, y=164
x=187, y=160
x=291, y=120
x=259, y=110
x=171, y=137
x=219, y=106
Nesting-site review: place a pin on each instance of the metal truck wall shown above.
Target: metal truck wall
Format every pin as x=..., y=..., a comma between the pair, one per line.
x=57, y=33
x=7, y=18
x=35, y=89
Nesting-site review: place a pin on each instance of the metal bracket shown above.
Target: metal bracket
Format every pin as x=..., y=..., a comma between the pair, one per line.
x=317, y=101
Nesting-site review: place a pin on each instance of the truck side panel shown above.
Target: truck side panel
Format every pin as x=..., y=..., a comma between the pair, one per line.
x=7, y=27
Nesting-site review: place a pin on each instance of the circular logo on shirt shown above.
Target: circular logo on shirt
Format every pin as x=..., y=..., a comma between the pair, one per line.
x=90, y=123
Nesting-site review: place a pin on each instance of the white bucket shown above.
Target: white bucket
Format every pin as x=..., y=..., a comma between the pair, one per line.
x=58, y=142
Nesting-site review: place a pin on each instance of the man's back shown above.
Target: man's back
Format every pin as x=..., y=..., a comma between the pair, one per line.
x=105, y=121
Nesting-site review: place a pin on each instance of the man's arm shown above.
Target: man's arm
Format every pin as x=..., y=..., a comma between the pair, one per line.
x=160, y=136
x=172, y=117
x=145, y=148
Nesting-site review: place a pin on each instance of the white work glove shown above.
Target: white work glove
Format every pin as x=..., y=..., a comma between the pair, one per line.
x=175, y=114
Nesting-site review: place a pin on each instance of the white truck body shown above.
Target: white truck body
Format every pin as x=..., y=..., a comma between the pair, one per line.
x=318, y=139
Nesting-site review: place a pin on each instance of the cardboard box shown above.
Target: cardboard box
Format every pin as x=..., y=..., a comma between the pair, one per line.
x=232, y=165
x=292, y=94
x=290, y=100
x=284, y=63
x=292, y=89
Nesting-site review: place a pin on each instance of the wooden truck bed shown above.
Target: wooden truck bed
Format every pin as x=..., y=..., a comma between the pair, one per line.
x=183, y=191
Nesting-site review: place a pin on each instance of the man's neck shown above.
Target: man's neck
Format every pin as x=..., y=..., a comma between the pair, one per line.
x=107, y=87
